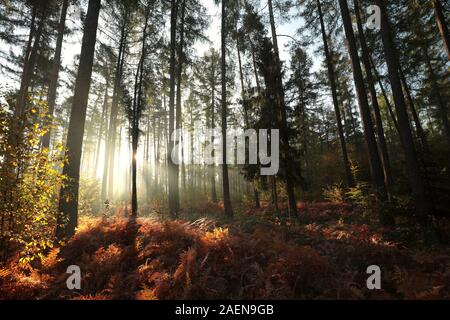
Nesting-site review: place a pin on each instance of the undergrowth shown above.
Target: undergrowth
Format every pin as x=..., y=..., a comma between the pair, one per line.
x=324, y=257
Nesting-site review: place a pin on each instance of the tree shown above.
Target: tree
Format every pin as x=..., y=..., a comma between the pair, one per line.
x=55, y=70
x=178, y=112
x=240, y=37
x=68, y=202
x=422, y=201
x=374, y=98
x=123, y=16
x=225, y=182
x=30, y=57
x=442, y=25
x=174, y=198
x=281, y=114
x=332, y=81
x=190, y=29
x=373, y=156
x=301, y=96
x=207, y=72
x=134, y=112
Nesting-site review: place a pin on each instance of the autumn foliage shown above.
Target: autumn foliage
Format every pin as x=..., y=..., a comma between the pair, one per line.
x=149, y=259
x=30, y=179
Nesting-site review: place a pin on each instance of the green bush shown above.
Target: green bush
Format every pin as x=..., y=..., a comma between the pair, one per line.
x=30, y=179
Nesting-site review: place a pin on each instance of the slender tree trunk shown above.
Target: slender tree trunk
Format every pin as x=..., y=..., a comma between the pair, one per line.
x=134, y=143
x=225, y=181
x=213, y=126
x=102, y=125
x=55, y=72
x=282, y=117
x=180, y=55
x=29, y=47
x=374, y=97
x=422, y=201
x=135, y=119
x=331, y=77
x=385, y=96
x=113, y=131
x=244, y=106
x=30, y=38
x=255, y=68
x=442, y=25
x=68, y=202
x=374, y=158
x=273, y=182
x=29, y=65
x=110, y=141
x=173, y=176
x=419, y=129
x=437, y=92
x=147, y=170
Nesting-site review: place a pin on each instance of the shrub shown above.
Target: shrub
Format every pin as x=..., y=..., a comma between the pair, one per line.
x=30, y=179
x=361, y=194
x=334, y=193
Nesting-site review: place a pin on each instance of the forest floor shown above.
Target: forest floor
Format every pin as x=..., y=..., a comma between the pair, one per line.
x=325, y=255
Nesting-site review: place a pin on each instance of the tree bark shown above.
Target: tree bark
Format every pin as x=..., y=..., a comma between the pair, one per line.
x=442, y=25
x=255, y=69
x=110, y=141
x=374, y=158
x=244, y=106
x=437, y=92
x=134, y=203
x=102, y=125
x=419, y=129
x=422, y=201
x=29, y=65
x=68, y=202
x=282, y=117
x=225, y=181
x=385, y=96
x=332, y=79
x=374, y=97
x=179, y=125
x=172, y=168
x=213, y=126
x=135, y=119
x=55, y=72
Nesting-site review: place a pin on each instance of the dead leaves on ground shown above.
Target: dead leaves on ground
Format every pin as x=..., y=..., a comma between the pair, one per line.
x=325, y=259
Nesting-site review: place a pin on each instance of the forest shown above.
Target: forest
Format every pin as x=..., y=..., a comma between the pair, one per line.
x=224, y=149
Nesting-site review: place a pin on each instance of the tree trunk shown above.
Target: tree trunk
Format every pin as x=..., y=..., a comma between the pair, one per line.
x=111, y=139
x=419, y=195
x=172, y=168
x=419, y=129
x=135, y=119
x=244, y=106
x=225, y=182
x=68, y=202
x=385, y=96
x=331, y=77
x=134, y=203
x=213, y=126
x=102, y=125
x=374, y=158
x=55, y=72
x=437, y=91
x=30, y=37
x=255, y=69
x=442, y=25
x=282, y=117
x=374, y=97
x=179, y=68
x=29, y=65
